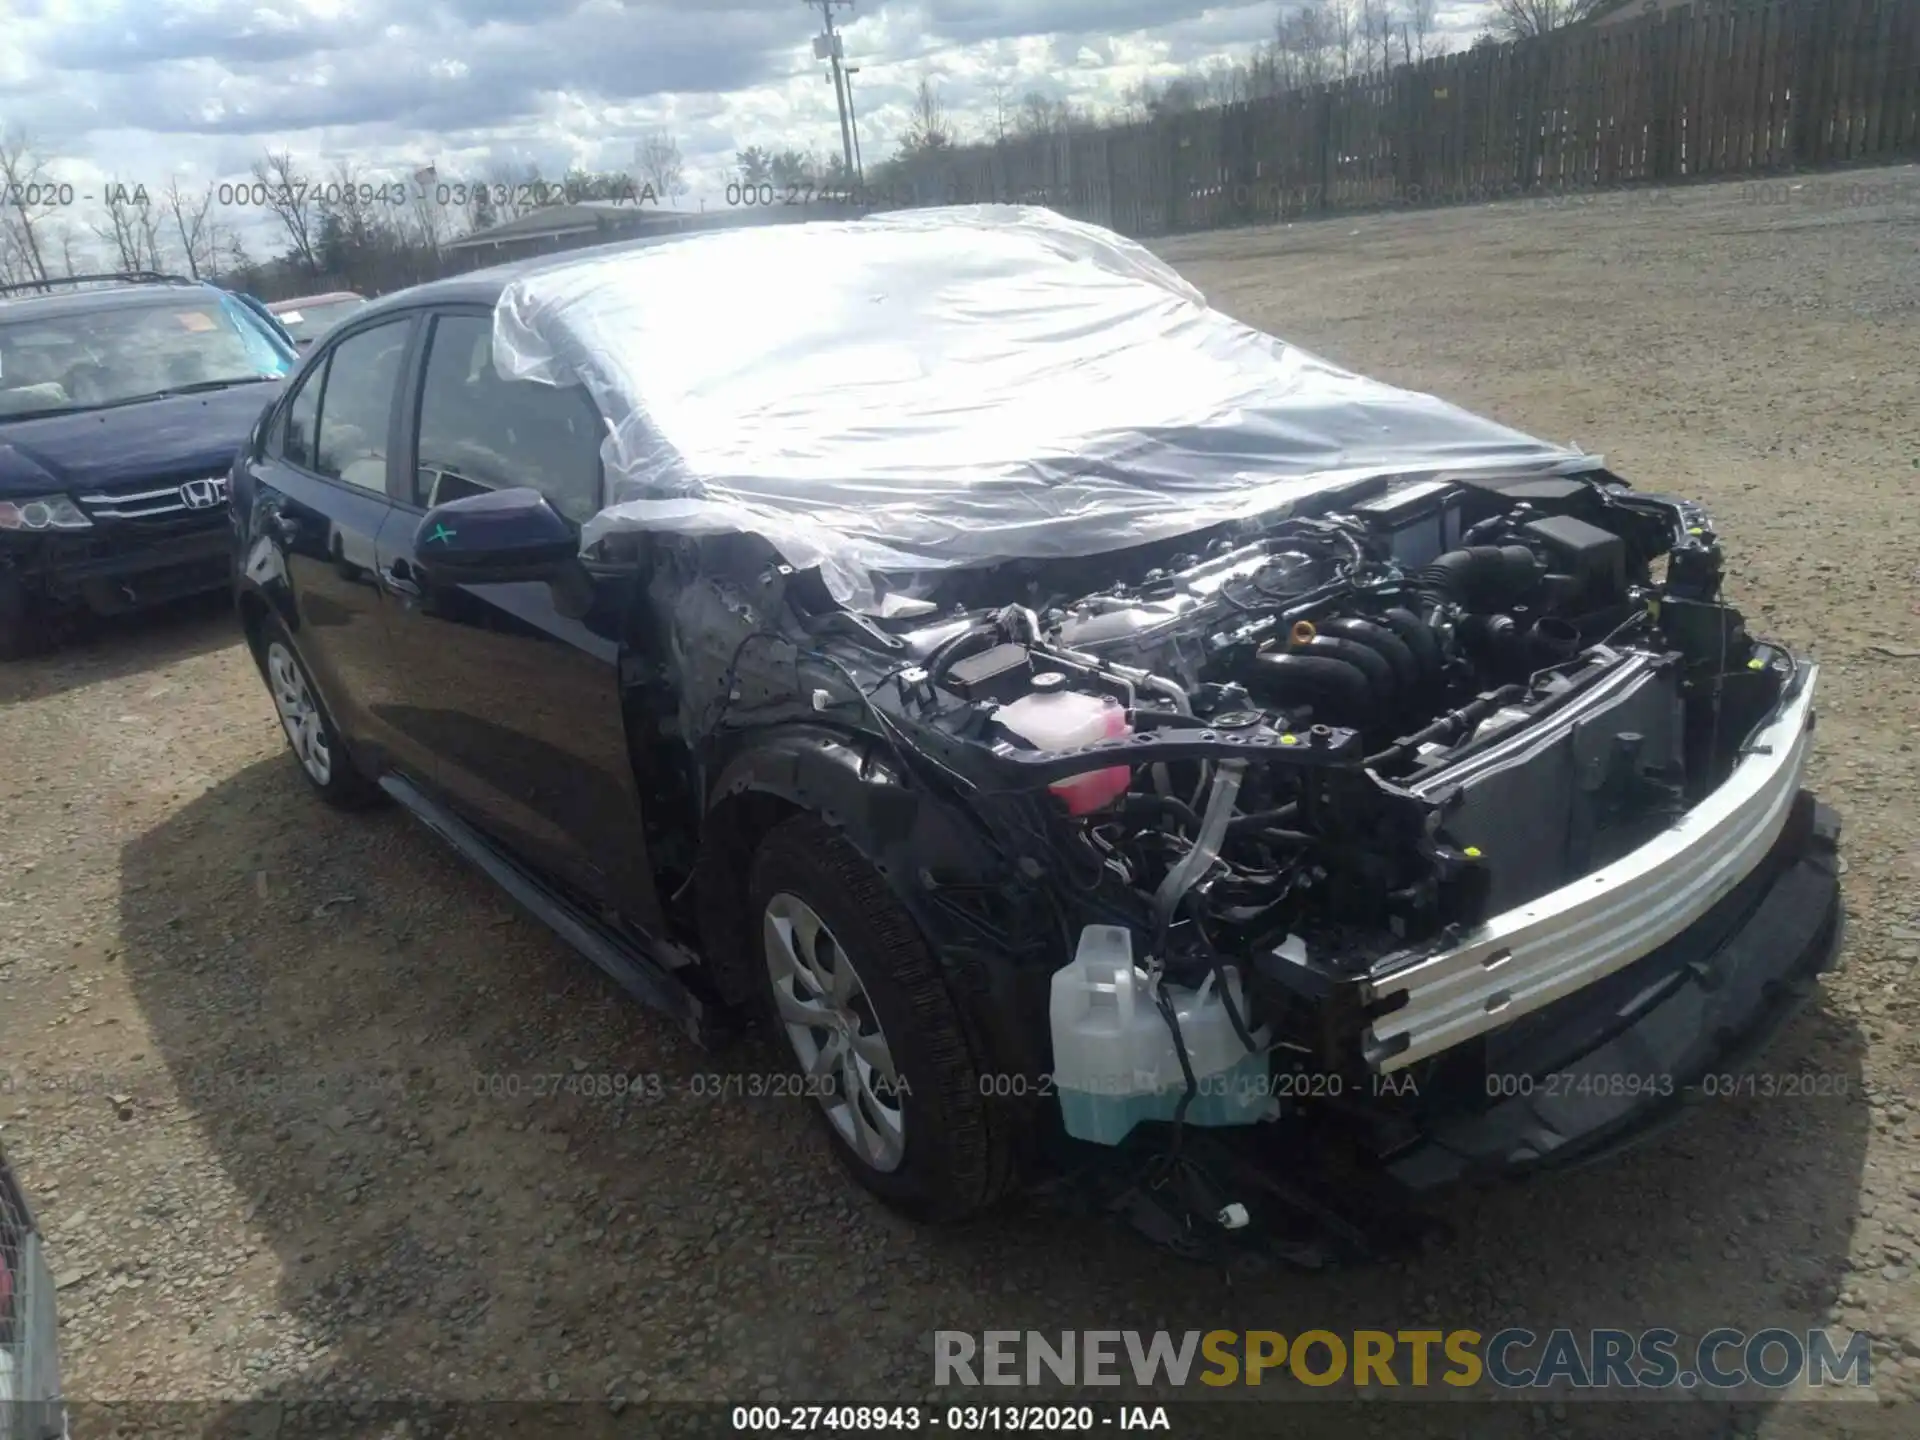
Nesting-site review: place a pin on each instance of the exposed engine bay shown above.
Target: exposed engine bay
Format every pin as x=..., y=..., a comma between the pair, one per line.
x=1257, y=799
x=1209, y=735
x=1454, y=695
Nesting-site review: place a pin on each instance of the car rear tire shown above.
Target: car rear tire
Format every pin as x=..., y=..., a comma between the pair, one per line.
x=308, y=725
x=850, y=985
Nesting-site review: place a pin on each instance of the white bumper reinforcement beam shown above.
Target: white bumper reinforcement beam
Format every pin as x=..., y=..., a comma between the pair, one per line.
x=1531, y=956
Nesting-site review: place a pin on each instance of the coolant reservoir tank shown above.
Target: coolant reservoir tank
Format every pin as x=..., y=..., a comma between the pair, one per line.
x=1053, y=718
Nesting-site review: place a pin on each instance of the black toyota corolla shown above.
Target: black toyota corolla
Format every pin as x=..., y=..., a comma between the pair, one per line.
x=1092, y=735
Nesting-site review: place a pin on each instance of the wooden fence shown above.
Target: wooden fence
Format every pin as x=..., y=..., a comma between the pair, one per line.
x=1715, y=89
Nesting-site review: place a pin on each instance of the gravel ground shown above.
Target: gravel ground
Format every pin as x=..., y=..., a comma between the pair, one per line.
x=251, y=1048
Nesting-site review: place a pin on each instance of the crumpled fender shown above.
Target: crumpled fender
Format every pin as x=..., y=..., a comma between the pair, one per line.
x=855, y=788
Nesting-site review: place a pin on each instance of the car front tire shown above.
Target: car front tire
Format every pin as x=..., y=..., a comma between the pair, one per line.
x=852, y=988
x=308, y=726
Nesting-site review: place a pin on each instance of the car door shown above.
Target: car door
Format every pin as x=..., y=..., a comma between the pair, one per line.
x=322, y=484
x=519, y=702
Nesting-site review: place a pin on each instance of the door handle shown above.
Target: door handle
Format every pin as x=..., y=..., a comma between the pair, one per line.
x=399, y=577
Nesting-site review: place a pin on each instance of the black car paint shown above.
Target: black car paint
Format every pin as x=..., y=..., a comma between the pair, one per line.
x=562, y=738
x=486, y=695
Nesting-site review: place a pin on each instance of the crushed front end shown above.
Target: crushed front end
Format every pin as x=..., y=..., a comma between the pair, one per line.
x=1459, y=827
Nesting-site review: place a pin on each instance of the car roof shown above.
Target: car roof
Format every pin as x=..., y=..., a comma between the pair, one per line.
x=38, y=304
x=483, y=287
x=331, y=297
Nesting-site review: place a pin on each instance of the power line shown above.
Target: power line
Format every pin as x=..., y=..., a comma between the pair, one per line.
x=827, y=47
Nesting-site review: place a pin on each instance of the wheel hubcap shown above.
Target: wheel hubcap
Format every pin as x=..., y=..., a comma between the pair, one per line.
x=299, y=715
x=835, y=1034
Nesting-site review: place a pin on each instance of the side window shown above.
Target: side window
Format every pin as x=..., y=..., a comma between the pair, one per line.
x=479, y=431
x=303, y=419
x=363, y=374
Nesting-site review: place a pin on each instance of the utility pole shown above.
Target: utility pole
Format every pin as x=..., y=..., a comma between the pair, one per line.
x=859, y=165
x=827, y=47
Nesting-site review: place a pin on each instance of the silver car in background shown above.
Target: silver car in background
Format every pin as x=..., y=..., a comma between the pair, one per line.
x=308, y=317
x=31, y=1405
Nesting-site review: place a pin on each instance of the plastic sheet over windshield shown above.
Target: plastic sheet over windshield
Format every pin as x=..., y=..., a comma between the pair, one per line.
x=952, y=387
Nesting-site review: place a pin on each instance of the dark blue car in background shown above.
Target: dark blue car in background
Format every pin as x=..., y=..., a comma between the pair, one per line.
x=123, y=400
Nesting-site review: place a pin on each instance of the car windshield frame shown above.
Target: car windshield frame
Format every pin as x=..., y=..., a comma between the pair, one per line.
x=79, y=360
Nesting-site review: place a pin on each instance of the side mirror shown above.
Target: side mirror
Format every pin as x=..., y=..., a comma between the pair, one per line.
x=494, y=538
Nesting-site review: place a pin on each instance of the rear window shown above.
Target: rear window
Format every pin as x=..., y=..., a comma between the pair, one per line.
x=119, y=354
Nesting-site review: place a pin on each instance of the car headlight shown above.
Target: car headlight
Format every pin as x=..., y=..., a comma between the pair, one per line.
x=43, y=512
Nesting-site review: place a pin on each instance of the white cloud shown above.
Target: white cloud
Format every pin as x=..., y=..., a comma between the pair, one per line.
x=198, y=89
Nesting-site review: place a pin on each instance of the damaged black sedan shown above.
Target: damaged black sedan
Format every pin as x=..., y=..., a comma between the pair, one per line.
x=1100, y=738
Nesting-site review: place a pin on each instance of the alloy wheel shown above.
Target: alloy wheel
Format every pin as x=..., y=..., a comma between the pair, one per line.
x=835, y=1034
x=299, y=715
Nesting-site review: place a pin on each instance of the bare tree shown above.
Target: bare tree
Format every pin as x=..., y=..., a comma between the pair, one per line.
x=930, y=128
x=1178, y=96
x=1002, y=116
x=1220, y=81
x=514, y=189
x=661, y=166
x=23, y=218
x=132, y=227
x=1523, y=19
x=350, y=218
x=1420, y=20
x=1041, y=114
x=1307, y=47
x=233, y=253
x=292, y=199
x=1035, y=116
x=152, y=224
x=193, y=222
x=1376, y=23
x=1263, y=71
x=1341, y=33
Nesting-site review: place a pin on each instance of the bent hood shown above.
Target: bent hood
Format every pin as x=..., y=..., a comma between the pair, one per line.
x=100, y=448
x=954, y=387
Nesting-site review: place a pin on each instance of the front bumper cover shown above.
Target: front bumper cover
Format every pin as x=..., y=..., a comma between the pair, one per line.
x=1614, y=1064
x=116, y=569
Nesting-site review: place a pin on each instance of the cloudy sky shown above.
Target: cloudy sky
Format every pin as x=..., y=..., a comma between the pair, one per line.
x=147, y=90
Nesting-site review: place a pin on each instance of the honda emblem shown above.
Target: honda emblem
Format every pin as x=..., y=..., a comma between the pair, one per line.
x=204, y=494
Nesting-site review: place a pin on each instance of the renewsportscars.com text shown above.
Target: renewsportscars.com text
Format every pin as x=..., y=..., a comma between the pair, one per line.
x=1512, y=1358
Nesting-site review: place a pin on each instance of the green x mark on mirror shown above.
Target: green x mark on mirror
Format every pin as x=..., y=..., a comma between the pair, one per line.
x=441, y=533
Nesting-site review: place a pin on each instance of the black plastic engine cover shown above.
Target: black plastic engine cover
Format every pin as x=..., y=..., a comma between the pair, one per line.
x=1595, y=559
